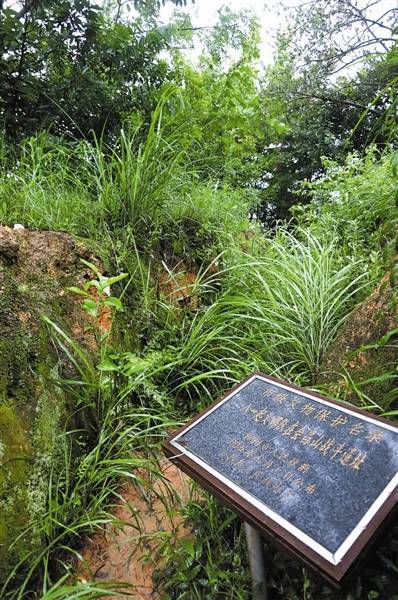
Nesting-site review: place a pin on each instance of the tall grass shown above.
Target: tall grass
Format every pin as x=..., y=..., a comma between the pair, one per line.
x=81, y=495
x=142, y=190
x=45, y=186
x=278, y=313
x=86, y=188
x=137, y=178
x=302, y=296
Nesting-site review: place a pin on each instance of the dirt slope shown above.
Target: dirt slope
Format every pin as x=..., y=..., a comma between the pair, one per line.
x=132, y=553
x=36, y=267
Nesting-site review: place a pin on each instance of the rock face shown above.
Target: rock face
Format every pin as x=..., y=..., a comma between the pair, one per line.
x=35, y=269
x=373, y=319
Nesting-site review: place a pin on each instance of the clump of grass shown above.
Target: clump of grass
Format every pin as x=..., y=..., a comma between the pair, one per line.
x=302, y=295
x=136, y=179
x=143, y=191
x=278, y=313
x=86, y=188
x=81, y=494
x=47, y=186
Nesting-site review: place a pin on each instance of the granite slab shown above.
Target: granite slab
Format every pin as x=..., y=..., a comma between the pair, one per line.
x=319, y=469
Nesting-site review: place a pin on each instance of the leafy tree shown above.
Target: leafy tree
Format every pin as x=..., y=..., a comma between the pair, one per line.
x=324, y=114
x=71, y=66
x=335, y=34
x=219, y=96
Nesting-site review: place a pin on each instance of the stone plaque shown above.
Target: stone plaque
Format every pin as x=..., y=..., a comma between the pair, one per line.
x=318, y=476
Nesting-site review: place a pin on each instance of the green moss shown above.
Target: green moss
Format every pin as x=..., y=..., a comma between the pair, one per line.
x=34, y=410
x=15, y=446
x=16, y=455
x=32, y=407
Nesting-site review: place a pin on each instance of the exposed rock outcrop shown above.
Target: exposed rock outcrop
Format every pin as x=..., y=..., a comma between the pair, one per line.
x=347, y=359
x=35, y=269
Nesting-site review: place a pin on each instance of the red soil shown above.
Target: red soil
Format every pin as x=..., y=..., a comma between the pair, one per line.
x=131, y=554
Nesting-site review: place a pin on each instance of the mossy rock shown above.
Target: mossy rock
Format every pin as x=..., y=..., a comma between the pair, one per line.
x=35, y=269
x=350, y=363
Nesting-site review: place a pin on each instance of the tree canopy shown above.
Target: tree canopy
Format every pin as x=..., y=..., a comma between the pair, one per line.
x=79, y=69
x=73, y=67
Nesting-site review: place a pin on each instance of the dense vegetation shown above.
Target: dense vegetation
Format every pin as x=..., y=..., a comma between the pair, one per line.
x=241, y=214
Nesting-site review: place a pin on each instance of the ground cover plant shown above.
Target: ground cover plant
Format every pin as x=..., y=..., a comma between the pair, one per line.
x=177, y=187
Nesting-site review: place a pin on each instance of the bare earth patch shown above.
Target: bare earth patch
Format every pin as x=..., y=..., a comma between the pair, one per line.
x=131, y=553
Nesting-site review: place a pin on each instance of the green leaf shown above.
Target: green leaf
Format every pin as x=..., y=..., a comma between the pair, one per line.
x=91, y=266
x=113, y=302
x=77, y=290
x=111, y=280
x=107, y=365
x=189, y=546
x=90, y=306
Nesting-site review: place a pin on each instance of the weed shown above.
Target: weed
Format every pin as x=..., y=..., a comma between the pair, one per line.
x=82, y=492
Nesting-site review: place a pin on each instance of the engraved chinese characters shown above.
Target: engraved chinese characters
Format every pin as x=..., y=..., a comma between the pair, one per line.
x=318, y=468
x=335, y=440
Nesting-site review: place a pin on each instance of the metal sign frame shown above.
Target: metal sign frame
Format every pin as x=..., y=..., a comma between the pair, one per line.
x=333, y=567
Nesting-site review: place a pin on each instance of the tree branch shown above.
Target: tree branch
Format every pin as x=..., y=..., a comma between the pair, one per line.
x=26, y=8
x=331, y=100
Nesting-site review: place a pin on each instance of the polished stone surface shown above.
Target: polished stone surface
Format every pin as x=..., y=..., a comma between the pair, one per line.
x=317, y=466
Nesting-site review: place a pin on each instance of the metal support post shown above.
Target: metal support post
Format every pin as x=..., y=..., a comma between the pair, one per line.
x=257, y=562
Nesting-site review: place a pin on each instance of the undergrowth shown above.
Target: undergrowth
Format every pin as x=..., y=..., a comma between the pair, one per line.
x=210, y=298
x=114, y=445
x=143, y=191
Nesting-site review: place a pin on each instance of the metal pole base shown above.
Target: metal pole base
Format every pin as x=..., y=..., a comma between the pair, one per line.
x=256, y=562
